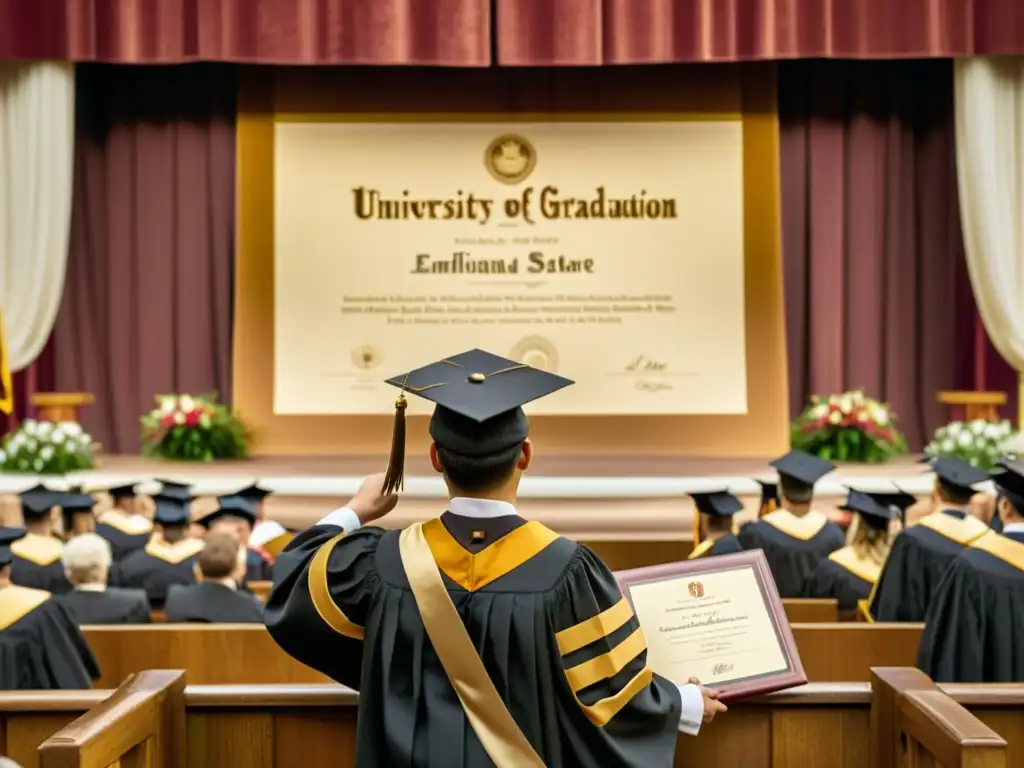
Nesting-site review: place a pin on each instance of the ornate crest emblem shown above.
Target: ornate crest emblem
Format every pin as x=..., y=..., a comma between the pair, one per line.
x=510, y=158
x=696, y=589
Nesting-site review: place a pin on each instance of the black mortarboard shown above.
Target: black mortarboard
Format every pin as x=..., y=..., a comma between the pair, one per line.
x=37, y=501
x=7, y=537
x=1010, y=482
x=479, y=398
x=717, y=503
x=898, y=498
x=253, y=493
x=803, y=467
x=76, y=502
x=170, y=510
x=119, y=492
x=175, y=490
x=230, y=506
x=957, y=475
x=869, y=508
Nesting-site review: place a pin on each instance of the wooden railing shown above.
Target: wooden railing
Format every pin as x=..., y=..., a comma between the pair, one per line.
x=141, y=725
x=936, y=731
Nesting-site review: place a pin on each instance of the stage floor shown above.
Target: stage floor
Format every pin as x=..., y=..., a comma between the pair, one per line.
x=594, y=498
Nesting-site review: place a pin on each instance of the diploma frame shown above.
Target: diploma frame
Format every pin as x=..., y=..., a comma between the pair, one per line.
x=793, y=675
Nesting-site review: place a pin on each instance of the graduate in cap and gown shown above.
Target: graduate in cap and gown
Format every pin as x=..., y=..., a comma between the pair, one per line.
x=795, y=538
x=123, y=526
x=561, y=678
x=41, y=648
x=849, y=574
x=921, y=553
x=974, y=627
x=715, y=511
x=234, y=515
x=76, y=510
x=36, y=559
x=268, y=537
x=169, y=556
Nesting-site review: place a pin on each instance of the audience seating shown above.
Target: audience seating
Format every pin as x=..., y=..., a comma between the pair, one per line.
x=226, y=654
x=840, y=725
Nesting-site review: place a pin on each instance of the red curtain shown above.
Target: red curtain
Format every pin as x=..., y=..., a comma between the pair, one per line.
x=147, y=303
x=422, y=32
x=871, y=234
x=592, y=32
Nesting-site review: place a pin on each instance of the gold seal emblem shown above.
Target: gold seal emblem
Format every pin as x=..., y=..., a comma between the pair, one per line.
x=536, y=352
x=366, y=357
x=510, y=158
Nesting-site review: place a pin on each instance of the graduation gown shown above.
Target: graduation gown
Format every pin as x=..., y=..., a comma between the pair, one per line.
x=257, y=567
x=726, y=545
x=530, y=602
x=41, y=648
x=844, y=576
x=124, y=533
x=212, y=602
x=793, y=546
x=111, y=606
x=917, y=562
x=36, y=564
x=974, y=628
x=157, y=567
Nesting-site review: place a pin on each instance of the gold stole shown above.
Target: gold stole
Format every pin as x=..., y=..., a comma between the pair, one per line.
x=490, y=719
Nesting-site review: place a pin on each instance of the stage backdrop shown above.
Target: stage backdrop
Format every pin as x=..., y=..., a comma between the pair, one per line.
x=618, y=227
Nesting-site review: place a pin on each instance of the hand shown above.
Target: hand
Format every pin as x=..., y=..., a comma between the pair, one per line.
x=369, y=503
x=712, y=706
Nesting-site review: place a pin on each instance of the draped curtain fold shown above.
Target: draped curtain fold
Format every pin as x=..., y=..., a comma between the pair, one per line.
x=148, y=303
x=37, y=116
x=380, y=32
x=593, y=32
x=871, y=233
x=990, y=171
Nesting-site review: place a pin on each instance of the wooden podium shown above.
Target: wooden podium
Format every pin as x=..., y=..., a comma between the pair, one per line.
x=60, y=406
x=973, y=405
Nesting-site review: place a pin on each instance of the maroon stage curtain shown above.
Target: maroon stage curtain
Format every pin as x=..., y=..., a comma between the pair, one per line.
x=422, y=32
x=148, y=295
x=871, y=233
x=591, y=32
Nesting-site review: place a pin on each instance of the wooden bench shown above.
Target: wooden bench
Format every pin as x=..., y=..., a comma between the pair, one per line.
x=807, y=610
x=141, y=725
x=227, y=654
x=818, y=725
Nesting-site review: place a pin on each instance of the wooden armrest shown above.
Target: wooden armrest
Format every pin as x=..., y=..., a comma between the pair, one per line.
x=945, y=728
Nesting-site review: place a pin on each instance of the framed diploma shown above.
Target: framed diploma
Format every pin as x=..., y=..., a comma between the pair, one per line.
x=719, y=619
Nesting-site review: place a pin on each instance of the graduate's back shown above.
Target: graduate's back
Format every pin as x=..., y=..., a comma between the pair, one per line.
x=793, y=546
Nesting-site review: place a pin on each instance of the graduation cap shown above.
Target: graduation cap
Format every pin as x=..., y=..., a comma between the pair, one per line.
x=7, y=537
x=37, y=502
x=872, y=511
x=717, y=503
x=1010, y=482
x=74, y=503
x=170, y=510
x=803, y=467
x=230, y=506
x=253, y=493
x=956, y=475
x=120, y=492
x=479, y=398
x=175, y=490
x=899, y=499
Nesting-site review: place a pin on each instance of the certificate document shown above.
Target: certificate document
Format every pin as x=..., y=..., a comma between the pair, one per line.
x=717, y=619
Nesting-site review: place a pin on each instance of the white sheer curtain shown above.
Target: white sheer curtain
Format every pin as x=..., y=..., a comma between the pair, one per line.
x=37, y=119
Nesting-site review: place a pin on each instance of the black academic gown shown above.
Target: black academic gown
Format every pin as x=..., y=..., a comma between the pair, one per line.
x=524, y=586
x=123, y=533
x=40, y=645
x=36, y=564
x=917, y=562
x=793, y=546
x=158, y=567
x=974, y=628
x=213, y=603
x=726, y=545
x=257, y=567
x=111, y=606
x=843, y=577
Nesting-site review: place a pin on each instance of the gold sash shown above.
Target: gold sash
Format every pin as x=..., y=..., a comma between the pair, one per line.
x=493, y=724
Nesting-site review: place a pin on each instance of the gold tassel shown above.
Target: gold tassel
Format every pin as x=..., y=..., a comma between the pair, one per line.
x=768, y=507
x=394, y=480
x=696, y=526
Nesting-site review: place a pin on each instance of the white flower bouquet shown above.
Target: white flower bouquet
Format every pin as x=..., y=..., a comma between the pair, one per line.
x=978, y=442
x=46, y=448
